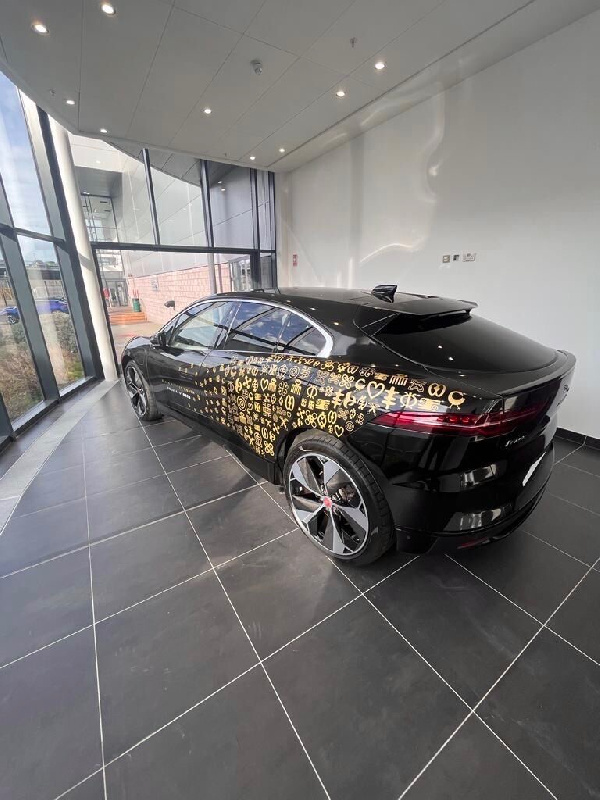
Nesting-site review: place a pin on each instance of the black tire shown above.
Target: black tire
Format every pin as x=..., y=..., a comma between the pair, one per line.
x=379, y=525
x=140, y=394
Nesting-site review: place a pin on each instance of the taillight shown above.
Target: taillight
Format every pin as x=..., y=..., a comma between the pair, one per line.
x=492, y=424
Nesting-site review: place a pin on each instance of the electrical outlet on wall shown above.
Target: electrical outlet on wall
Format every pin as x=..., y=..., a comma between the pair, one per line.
x=469, y=256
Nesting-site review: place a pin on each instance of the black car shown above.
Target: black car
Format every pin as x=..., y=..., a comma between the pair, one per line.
x=389, y=419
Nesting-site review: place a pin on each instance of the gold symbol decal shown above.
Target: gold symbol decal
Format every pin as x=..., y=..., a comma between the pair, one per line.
x=456, y=398
x=436, y=389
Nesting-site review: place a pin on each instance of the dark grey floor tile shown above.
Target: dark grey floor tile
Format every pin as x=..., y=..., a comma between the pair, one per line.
x=238, y=744
x=464, y=629
x=44, y=604
x=370, y=712
x=546, y=709
x=576, y=486
x=161, y=657
x=50, y=736
x=475, y=765
x=102, y=421
x=188, y=452
x=121, y=470
x=586, y=458
x=365, y=577
x=34, y=537
x=282, y=589
x=532, y=574
x=168, y=430
x=205, y=482
x=232, y=525
x=52, y=489
x=134, y=566
x=67, y=454
x=578, y=619
x=277, y=496
x=114, y=444
x=570, y=528
x=91, y=789
x=131, y=506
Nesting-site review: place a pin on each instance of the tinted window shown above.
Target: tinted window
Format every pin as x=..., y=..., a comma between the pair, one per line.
x=203, y=329
x=256, y=328
x=471, y=343
x=300, y=337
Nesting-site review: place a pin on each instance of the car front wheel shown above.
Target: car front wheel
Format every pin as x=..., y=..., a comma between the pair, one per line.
x=335, y=499
x=140, y=394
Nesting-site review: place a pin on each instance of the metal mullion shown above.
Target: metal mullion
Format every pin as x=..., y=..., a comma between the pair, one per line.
x=29, y=315
x=254, y=201
x=169, y=248
x=151, y=197
x=68, y=261
x=271, y=185
x=6, y=428
x=207, y=208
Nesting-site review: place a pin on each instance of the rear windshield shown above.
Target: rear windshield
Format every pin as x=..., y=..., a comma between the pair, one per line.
x=464, y=342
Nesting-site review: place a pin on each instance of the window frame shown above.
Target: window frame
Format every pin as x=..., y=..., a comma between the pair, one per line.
x=197, y=308
x=323, y=353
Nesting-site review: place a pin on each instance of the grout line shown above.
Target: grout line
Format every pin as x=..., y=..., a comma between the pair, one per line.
x=268, y=677
x=472, y=710
x=512, y=752
x=493, y=686
x=579, y=469
x=554, y=547
x=382, y=580
x=497, y=591
x=574, y=646
x=198, y=464
x=77, y=785
x=577, y=505
x=45, y=561
x=570, y=453
x=252, y=549
x=94, y=631
x=44, y=647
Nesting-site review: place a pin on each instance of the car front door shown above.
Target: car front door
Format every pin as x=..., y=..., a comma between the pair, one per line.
x=178, y=359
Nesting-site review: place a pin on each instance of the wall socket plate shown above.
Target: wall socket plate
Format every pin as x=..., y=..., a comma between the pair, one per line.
x=469, y=256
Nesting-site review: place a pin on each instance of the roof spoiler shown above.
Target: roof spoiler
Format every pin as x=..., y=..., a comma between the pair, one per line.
x=415, y=311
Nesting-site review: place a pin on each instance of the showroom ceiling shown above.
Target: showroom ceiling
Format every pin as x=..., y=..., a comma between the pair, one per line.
x=148, y=72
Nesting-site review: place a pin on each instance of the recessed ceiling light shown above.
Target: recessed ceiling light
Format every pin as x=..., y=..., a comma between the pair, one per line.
x=380, y=65
x=340, y=93
x=39, y=27
x=282, y=149
x=222, y=188
x=70, y=102
x=208, y=110
x=108, y=9
x=97, y=162
x=219, y=182
x=252, y=158
x=103, y=130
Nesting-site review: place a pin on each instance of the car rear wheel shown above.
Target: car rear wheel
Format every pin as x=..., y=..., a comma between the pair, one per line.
x=335, y=499
x=140, y=394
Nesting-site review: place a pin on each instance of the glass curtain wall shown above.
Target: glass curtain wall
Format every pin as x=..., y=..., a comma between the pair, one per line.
x=210, y=226
x=45, y=349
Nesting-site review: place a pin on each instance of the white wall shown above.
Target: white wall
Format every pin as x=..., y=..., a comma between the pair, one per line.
x=505, y=164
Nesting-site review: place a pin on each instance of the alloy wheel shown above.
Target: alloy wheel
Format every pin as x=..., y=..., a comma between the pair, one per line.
x=136, y=391
x=328, y=505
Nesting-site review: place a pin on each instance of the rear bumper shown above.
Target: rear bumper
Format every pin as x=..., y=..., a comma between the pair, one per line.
x=421, y=542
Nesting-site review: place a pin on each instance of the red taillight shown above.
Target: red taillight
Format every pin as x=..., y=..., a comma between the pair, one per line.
x=493, y=424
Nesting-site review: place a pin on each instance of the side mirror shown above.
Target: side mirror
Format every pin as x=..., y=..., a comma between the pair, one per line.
x=158, y=340
x=170, y=304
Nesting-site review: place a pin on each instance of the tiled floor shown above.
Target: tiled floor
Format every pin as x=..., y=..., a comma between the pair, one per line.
x=167, y=633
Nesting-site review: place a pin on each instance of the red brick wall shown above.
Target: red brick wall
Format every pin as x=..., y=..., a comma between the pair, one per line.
x=182, y=285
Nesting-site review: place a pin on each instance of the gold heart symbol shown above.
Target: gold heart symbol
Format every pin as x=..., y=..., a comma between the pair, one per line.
x=374, y=389
x=338, y=430
x=264, y=383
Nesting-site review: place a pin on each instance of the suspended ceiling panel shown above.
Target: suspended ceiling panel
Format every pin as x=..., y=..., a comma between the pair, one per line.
x=148, y=73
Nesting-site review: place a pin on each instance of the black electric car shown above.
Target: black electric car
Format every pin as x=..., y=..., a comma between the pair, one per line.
x=388, y=418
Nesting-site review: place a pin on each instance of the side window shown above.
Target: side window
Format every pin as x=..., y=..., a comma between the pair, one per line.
x=203, y=329
x=301, y=338
x=256, y=328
